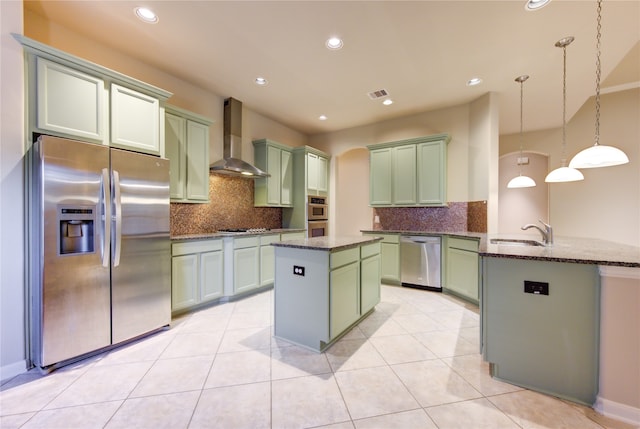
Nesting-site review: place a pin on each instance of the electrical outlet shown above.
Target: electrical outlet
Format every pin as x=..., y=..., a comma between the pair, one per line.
x=298, y=270
x=536, y=288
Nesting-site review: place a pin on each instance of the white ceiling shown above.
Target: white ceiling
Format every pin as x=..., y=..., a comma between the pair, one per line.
x=421, y=52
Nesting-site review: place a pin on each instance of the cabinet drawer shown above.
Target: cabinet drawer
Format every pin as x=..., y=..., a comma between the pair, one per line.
x=344, y=257
x=199, y=246
x=268, y=239
x=369, y=250
x=389, y=238
x=243, y=242
x=293, y=236
x=463, y=244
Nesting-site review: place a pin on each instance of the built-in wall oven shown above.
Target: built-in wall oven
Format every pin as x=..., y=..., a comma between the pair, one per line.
x=317, y=216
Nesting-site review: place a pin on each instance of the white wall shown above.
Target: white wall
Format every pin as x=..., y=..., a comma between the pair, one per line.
x=606, y=204
x=12, y=295
x=352, y=195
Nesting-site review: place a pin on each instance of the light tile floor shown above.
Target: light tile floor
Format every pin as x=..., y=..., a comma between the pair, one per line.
x=413, y=363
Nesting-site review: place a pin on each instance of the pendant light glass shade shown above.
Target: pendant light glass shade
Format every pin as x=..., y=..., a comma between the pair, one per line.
x=521, y=181
x=597, y=155
x=564, y=173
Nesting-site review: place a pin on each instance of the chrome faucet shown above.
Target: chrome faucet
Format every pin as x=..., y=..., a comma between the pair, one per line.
x=547, y=233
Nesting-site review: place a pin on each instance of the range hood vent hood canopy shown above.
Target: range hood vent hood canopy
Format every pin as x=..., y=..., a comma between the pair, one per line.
x=232, y=163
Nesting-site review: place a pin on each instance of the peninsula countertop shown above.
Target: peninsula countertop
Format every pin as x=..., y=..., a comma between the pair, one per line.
x=221, y=234
x=328, y=244
x=564, y=249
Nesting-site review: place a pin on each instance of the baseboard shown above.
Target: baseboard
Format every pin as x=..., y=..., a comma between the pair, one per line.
x=622, y=412
x=11, y=370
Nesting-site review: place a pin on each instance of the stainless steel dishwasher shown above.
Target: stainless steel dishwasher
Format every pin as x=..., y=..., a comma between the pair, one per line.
x=420, y=262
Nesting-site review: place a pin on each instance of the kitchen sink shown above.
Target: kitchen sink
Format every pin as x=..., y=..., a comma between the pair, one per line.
x=516, y=242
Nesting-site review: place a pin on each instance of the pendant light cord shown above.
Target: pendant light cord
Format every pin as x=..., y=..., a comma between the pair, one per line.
x=521, y=116
x=564, y=107
x=598, y=72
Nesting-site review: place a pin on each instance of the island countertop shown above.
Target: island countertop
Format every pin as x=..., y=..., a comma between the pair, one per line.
x=564, y=249
x=328, y=244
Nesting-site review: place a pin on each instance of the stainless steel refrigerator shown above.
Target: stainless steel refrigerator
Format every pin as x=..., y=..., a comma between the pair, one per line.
x=100, y=248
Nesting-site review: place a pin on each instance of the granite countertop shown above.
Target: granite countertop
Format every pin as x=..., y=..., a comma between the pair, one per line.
x=328, y=244
x=204, y=236
x=564, y=249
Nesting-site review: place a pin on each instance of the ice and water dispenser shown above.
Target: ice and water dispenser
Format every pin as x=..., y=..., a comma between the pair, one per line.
x=76, y=233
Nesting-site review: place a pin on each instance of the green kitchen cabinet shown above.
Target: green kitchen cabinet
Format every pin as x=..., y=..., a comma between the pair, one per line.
x=408, y=173
x=275, y=159
x=298, y=235
x=196, y=273
x=389, y=257
x=369, y=277
x=344, y=293
x=317, y=176
x=267, y=258
x=462, y=268
x=246, y=264
x=135, y=120
x=187, y=148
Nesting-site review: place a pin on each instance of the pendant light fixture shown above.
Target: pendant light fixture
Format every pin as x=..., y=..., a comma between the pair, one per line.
x=564, y=173
x=521, y=181
x=598, y=155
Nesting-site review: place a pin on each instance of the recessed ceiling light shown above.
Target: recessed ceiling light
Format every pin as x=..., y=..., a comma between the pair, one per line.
x=261, y=81
x=146, y=15
x=388, y=102
x=474, y=81
x=322, y=117
x=334, y=43
x=535, y=4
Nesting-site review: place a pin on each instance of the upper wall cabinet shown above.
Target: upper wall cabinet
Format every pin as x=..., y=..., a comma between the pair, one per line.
x=315, y=168
x=275, y=159
x=187, y=148
x=73, y=98
x=409, y=173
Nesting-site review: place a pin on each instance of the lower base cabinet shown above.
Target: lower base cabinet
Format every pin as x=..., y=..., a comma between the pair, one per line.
x=344, y=292
x=196, y=273
x=462, y=268
x=389, y=257
x=246, y=264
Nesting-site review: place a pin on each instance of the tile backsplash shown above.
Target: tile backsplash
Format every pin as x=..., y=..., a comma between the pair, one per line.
x=230, y=206
x=457, y=216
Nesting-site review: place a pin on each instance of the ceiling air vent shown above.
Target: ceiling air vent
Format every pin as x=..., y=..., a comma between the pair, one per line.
x=374, y=95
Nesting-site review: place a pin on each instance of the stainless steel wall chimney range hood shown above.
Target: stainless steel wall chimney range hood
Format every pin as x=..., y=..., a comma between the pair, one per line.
x=232, y=163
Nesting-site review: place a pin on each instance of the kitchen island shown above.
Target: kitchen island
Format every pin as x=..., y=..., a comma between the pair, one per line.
x=323, y=287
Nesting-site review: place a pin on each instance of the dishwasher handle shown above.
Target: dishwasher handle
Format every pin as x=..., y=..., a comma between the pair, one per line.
x=421, y=239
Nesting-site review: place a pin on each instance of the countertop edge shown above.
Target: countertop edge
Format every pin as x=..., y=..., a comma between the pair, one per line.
x=328, y=244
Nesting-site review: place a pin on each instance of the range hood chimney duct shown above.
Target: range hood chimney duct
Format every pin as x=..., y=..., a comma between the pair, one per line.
x=232, y=163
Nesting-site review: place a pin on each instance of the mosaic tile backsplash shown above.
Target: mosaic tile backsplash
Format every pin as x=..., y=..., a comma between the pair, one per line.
x=230, y=206
x=464, y=216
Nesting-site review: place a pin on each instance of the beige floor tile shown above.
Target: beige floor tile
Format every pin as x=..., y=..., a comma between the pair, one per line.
x=295, y=402
x=377, y=326
x=171, y=411
x=343, y=425
x=289, y=362
x=420, y=322
x=476, y=372
x=193, y=344
x=207, y=322
x=354, y=334
x=32, y=391
x=346, y=355
x=472, y=335
x=446, y=343
x=83, y=416
x=230, y=369
x=238, y=340
x=433, y=383
x=16, y=421
x=255, y=319
x=476, y=414
x=245, y=406
x=415, y=419
x=456, y=319
x=146, y=349
x=373, y=392
x=534, y=410
x=400, y=349
x=102, y=383
x=174, y=376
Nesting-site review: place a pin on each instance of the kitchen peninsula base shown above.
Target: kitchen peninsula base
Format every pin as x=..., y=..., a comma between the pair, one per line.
x=323, y=287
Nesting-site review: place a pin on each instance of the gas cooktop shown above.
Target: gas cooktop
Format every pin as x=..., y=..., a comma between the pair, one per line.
x=232, y=231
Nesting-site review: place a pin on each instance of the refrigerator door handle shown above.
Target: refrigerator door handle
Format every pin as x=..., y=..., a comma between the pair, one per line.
x=117, y=203
x=105, y=216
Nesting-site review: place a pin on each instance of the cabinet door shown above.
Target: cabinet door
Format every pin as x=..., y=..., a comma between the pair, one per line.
x=390, y=263
x=246, y=269
x=267, y=265
x=462, y=273
x=274, y=167
x=174, y=142
x=286, y=171
x=431, y=173
x=184, y=281
x=197, y=161
x=211, y=275
x=69, y=102
x=344, y=297
x=312, y=173
x=323, y=176
x=404, y=175
x=369, y=283
x=134, y=120
x=380, y=177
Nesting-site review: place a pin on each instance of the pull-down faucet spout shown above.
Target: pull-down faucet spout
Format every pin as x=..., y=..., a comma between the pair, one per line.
x=547, y=233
